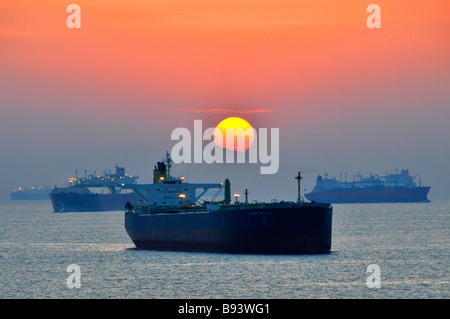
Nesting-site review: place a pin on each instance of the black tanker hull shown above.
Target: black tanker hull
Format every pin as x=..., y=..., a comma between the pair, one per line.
x=267, y=231
x=74, y=202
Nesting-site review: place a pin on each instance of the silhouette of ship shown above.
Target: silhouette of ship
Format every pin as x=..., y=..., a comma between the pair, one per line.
x=171, y=217
x=95, y=193
x=391, y=188
x=34, y=193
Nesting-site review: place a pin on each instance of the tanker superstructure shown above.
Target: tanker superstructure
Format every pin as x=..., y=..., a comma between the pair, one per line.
x=171, y=217
x=398, y=187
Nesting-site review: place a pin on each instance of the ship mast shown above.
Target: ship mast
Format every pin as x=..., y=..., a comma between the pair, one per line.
x=298, y=178
x=169, y=164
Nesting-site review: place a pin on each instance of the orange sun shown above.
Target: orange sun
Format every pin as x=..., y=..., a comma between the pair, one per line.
x=240, y=134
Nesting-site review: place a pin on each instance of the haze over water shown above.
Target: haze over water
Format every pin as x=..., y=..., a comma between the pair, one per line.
x=345, y=97
x=409, y=242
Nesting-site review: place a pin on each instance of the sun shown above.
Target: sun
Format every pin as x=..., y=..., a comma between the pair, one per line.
x=242, y=134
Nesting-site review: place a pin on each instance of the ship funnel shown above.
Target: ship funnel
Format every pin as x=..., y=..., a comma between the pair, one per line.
x=159, y=172
x=227, y=199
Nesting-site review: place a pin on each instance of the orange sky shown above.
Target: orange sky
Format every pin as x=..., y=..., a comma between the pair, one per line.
x=215, y=53
x=139, y=68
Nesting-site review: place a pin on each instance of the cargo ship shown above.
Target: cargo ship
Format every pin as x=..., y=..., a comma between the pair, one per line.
x=171, y=217
x=107, y=192
x=398, y=187
x=33, y=193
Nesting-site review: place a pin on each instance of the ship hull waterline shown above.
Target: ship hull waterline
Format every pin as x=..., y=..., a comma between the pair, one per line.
x=382, y=195
x=305, y=230
x=19, y=196
x=73, y=202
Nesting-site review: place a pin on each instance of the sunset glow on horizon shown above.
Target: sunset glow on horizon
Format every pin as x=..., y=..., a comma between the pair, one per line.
x=137, y=69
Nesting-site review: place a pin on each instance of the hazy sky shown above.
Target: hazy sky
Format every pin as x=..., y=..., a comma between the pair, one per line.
x=345, y=97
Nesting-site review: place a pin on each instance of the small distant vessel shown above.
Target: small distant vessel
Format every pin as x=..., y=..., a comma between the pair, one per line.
x=34, y=193
x=391, y=188
x=95, y=193
x=171, y=217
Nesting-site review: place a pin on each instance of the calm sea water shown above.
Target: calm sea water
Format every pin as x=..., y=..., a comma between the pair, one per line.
x=409, y=242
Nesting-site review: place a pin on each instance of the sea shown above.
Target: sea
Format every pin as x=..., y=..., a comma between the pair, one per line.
x=386, y=251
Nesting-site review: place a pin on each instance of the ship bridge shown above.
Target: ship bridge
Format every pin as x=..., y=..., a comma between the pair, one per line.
x=174, y=192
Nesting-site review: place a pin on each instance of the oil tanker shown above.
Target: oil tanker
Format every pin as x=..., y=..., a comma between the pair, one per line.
x=170, y=216
x=398, y=187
